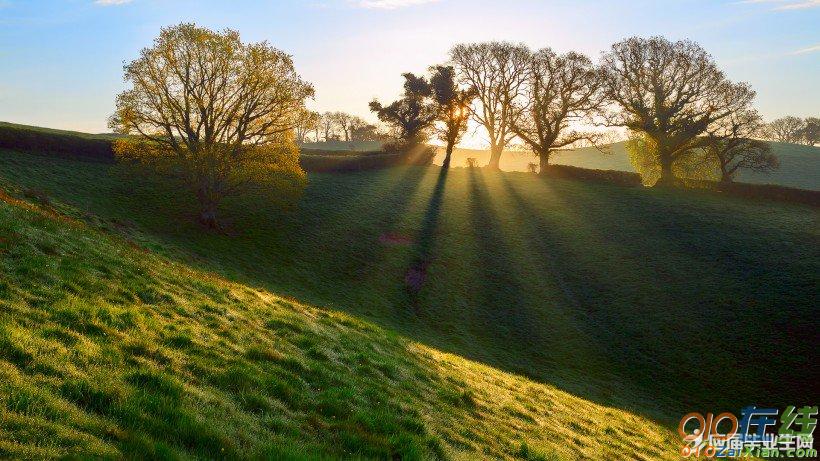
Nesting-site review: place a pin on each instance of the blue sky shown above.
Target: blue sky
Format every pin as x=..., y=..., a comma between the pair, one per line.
x=61, y=61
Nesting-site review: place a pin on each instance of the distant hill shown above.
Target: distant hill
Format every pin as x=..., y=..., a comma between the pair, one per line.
x=60, y=132
x=799, y=165
x=357, y=146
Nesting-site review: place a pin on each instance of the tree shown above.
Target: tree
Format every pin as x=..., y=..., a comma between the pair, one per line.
x=306, y=122
x=730, y=145
x=347, y=123
x=452, y=108
x=811, y=131
x=497, y=72
x=560, y=90
x=367, y=132
x=327, y=123
x=216, y=111
x=786, y=129
x=668, y=93
x=410, y=115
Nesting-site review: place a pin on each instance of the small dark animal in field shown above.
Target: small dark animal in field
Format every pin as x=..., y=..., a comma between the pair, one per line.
x=395, y=239
x=471, y=161
x=415, y=276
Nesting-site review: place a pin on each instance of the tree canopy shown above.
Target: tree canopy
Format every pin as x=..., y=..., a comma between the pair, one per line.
x=215, y=108
x=669, y=93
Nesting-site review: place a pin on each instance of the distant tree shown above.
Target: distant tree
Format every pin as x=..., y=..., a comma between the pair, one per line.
x=306, y=122
x=811, y=131
x=786, y=129
x=217, y=112
x=559, y=90
x=327, y=123
x=668, y=94
x=367, y=132
x=411, y=115
x=452, y=108
x=347, y=123
x=497, y=72
x=730, y=144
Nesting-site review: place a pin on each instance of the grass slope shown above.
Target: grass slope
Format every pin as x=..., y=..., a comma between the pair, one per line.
x=799, y=165
x=657, y=302
x=108, y=350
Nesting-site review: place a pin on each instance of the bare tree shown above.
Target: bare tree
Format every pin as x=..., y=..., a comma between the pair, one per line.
x=211, y=107
x=669, y=93
x=327, y=123
x=497, y=72
x=306, y=122
x=786, y=129
x=560, y=90
x=811, y=132
x=348, y=123
x=731, y=145
x=452, y=108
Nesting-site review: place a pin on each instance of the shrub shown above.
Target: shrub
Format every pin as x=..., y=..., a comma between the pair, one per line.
x=621, y=178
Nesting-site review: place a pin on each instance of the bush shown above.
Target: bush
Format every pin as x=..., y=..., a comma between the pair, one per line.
x=621, y=178
x=55, y=142
x=394, y=154
x=761, y=191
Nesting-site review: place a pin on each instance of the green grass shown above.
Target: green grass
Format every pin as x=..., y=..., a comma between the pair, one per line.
x=652, y=302
x=108, y=350
x=799, y=165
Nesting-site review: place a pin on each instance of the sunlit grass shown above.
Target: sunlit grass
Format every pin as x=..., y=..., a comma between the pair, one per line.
x=655, y=302
x=108, y=350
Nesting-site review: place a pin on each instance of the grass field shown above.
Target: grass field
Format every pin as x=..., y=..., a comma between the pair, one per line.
x=799, y=165
x=655, y=302
x=110, y=351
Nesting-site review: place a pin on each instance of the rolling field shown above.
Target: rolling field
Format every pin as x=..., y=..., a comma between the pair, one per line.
x=799, y=165
x=653, y=302
x=108, y=351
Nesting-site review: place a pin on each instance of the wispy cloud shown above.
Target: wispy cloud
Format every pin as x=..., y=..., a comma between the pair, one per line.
x=782, y=5
x=811, y=49
x=111, y=2
x=389, y=4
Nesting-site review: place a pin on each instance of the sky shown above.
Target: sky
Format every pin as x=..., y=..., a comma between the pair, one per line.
x=61, y=61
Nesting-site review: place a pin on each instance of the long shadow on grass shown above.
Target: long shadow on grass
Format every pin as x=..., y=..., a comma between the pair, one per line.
x=508, y=319
x=697, y=325
x=587, y=310
x=416, y=274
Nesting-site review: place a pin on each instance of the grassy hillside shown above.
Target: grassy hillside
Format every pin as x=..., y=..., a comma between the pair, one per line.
x=657, y=302
x=800, y=165
x=108, y=350
x=40, y=129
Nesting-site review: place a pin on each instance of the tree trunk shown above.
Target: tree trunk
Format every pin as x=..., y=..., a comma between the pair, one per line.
x=447, y=156
x=667, y=176
x=495, y=158
x=543, y=162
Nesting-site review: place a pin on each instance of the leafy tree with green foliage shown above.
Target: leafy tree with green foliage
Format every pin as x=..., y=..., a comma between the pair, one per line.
x=668, y=94
x=411, y=115
x=452, y=108
x=560, y=90
x=218, y=112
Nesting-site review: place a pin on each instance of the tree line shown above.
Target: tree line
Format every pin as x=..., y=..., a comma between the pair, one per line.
x=220, y=114
x=335, y=126
x=793, y=130
x=678, y=107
